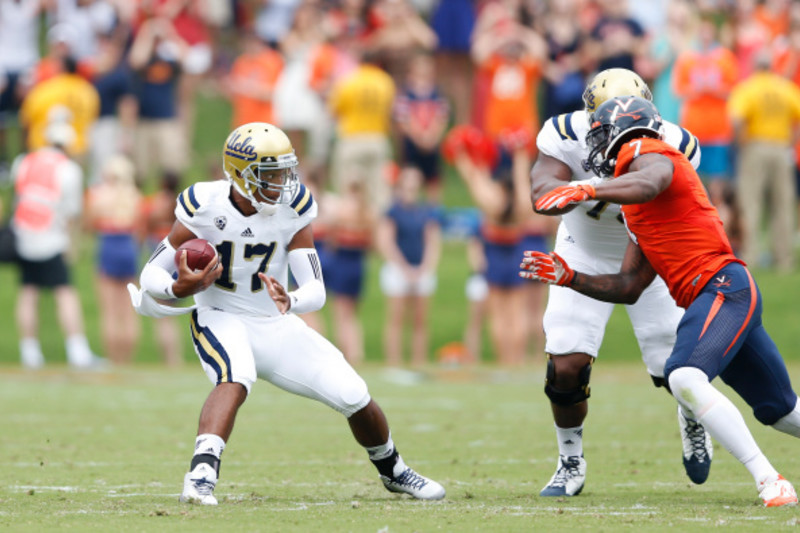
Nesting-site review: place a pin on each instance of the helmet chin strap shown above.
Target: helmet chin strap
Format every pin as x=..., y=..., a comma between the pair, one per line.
x=263, y=207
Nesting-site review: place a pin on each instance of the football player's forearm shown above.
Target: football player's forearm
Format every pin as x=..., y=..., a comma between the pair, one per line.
x=613, y=288
x=306, y=269
x=629, y=189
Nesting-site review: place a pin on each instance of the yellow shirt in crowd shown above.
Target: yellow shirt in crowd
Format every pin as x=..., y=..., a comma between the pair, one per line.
x=67, y=90
x=362, y=102
x=768, y=107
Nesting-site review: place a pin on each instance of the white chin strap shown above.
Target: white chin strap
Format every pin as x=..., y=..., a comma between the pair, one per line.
x=261, y=207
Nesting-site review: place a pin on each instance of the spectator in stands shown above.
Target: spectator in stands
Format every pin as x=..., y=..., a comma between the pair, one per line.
x=113, y=211
x=112, y=133
x=511, y=57
x=87, y=19
x=765, y=110
x=453, y=22
x=188, y=17
x=421, y=114
x=361, y=104
x=19, y=53
x=617, y=40
x=351, y=223
x=400, y=33
x=786, y=62
x=409, y=239
x=666, y=45
x=297, y=105
x=703, y=77
x=60, y=39
x=49, y=195
x=251, y=82
x=64, y=96
x=273, y=20
x=155, y=57
x=477, y=292
x=501, y=195
x=564, y=73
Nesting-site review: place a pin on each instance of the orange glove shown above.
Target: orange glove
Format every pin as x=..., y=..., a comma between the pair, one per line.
x=565, y=196
x=547, y=268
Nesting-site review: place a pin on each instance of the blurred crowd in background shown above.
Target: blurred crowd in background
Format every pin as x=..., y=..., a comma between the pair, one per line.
x=374, y=95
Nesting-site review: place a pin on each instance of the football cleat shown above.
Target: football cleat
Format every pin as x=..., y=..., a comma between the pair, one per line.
x=697, y=449
x=569, y=477
x=409, y=482
x=777, y=493
x=198, y=485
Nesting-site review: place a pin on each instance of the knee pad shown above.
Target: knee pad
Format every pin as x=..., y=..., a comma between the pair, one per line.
x=568, y=397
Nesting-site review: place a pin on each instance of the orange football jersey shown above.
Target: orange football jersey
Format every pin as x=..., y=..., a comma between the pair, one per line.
x=679, y=231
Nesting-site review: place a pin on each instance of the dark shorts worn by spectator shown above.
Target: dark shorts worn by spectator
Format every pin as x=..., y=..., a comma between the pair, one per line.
x=49, y=273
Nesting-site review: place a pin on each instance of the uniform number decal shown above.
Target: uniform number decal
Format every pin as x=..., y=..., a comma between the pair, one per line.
x=598, y=209
x=637, y=147
x=252, y=252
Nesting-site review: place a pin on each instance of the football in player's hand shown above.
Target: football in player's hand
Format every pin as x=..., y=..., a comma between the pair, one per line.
x=199, y=253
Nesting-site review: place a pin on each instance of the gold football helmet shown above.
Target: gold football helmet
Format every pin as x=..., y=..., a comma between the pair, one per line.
x=611, y=83
x=259, y=160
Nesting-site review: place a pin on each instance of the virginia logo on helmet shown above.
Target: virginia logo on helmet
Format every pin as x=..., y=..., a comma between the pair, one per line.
x=615, y=122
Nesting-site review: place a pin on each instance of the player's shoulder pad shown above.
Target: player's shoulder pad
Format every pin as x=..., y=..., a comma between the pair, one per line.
x=188, y=201
x=194, y=197
x=562, y=124
x=682, y=139
x=303, y=201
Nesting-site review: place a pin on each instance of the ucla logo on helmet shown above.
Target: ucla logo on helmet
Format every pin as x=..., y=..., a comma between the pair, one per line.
x=240, y=149
x=590, y=99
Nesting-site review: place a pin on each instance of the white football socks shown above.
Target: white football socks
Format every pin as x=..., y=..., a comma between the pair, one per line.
x=790, y=423
x=209, y=444
x=376, y=453
x=570, y=441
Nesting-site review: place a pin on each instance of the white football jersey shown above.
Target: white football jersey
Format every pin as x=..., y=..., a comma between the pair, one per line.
x=246, y=245
x=597, y=226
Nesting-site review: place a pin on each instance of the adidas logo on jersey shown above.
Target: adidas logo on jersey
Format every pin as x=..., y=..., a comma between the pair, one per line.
x=247, y=233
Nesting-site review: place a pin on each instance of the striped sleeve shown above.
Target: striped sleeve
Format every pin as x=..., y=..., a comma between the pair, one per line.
x=188, y=202
x=689, y=144
x=303, y=200
x=563, y=125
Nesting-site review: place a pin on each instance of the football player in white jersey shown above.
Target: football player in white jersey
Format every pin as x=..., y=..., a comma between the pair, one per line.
x=594, y=237
x=245, y=325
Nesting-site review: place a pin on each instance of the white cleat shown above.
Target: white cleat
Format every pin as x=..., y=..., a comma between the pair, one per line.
x=198, y=485
x=409, y=482
x=777, y=493
x=569, y=478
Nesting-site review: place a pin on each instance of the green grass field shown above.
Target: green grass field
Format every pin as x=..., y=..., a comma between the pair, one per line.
x=107, y=451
